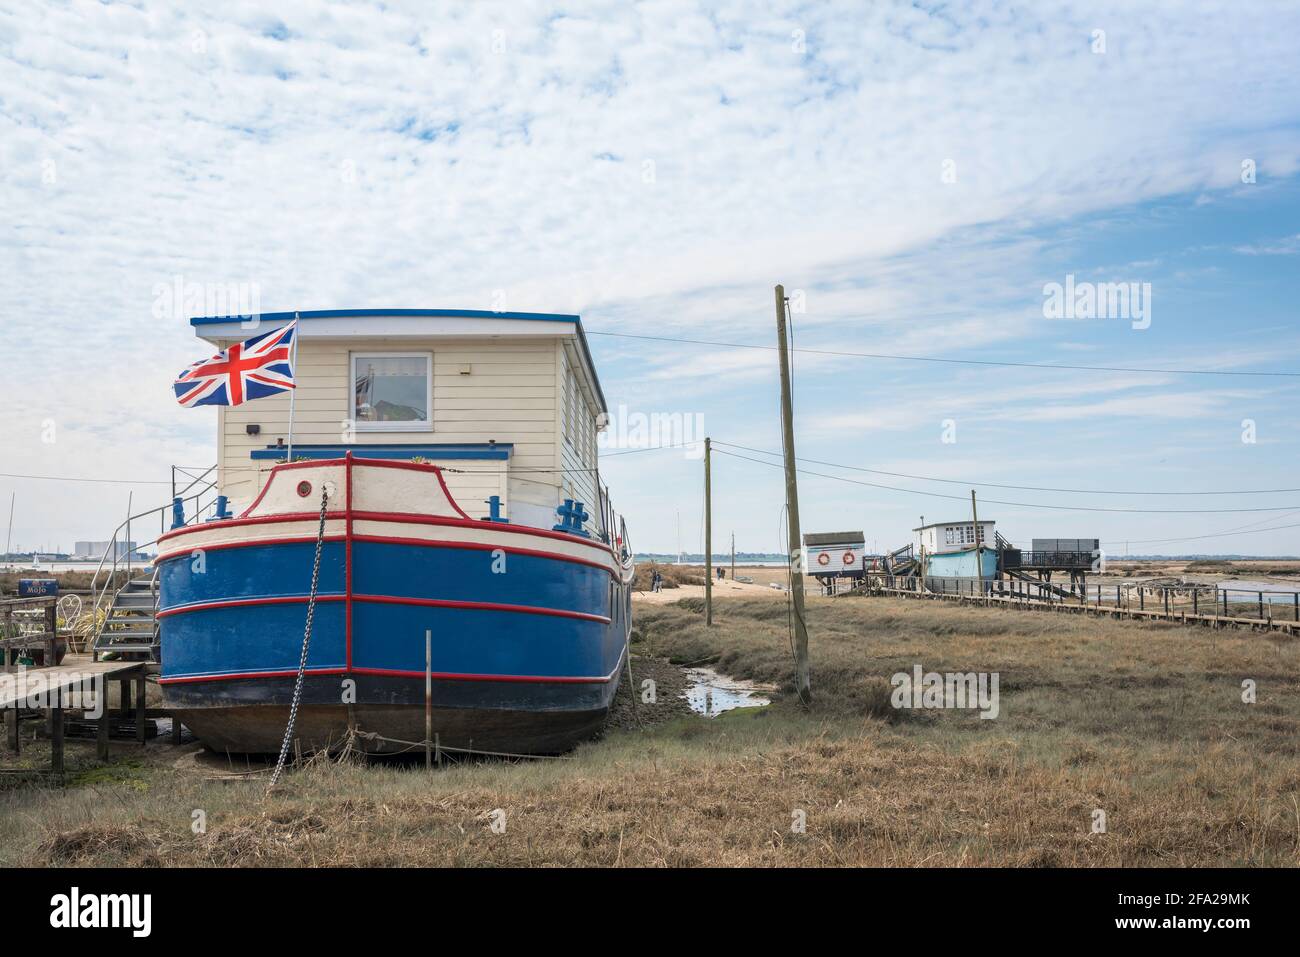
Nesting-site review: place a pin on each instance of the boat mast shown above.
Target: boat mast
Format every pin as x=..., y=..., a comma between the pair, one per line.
x=9, y=537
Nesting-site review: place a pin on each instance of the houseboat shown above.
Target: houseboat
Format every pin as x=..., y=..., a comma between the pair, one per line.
x=471, y=565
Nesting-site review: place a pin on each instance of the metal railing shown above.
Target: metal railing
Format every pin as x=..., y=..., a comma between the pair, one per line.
x=1026, y=558
x=116, y=559
x=1196, y=599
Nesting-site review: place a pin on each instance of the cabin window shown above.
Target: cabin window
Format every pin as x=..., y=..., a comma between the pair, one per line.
x=571, y=430
x=392, y=391
x=947, y=535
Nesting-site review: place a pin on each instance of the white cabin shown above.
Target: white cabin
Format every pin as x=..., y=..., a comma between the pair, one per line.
x=508, y=403
x=939, y=537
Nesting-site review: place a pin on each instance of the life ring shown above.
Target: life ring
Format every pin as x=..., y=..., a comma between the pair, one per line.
x=823, y=559
x=850, y=558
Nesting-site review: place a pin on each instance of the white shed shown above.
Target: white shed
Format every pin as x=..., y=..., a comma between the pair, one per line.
x=939, y=537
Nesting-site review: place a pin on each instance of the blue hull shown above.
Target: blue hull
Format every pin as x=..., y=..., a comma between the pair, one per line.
x=526, y=639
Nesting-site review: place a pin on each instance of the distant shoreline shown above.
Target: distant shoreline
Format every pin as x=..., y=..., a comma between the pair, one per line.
x=752, y=559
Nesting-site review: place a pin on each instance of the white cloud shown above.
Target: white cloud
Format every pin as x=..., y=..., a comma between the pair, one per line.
x=657, y=167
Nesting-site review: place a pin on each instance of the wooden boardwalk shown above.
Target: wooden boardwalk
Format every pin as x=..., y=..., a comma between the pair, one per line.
x=1108, y=611
x=52, y=688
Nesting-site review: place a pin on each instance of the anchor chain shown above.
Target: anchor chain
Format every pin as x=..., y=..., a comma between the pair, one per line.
x=306, y=643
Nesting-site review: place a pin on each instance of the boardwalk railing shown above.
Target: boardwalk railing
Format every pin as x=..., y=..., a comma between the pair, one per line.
x=26, y=624
x=1208, y=603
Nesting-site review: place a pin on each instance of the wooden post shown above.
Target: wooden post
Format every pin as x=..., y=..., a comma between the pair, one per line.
x=708, y=536
x=733, y=564
x=794, y=542
x=105, y=719
x=979, y=558
x=140, y=689
x=52, y=629
x=56, y=737
x=11, y=717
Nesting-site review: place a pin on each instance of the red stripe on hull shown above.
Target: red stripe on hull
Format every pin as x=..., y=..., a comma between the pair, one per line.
x=243, y=602
x=221, y=546
x=347, y=557
x=398, y=518
x=288, y=673
x=349, y=598
x=393, y=673
x=481, y=606
x=480, y=547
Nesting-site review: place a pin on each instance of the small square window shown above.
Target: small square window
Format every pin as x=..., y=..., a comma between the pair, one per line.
x=392, y=391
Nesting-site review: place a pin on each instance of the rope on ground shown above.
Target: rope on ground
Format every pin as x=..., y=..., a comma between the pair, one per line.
x=412, y=745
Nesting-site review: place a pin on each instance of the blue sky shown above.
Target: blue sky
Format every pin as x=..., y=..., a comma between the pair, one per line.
x=917, y=173
x=1224, y=276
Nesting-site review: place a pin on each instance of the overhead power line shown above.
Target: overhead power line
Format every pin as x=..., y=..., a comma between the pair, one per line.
x=1021, y=488
x=994, y=501
x=73, y=478
x=973, y=362
x=1189, y=538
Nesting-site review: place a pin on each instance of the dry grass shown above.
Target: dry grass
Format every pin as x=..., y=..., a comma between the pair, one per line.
x=1143, y=721
x=674, y=576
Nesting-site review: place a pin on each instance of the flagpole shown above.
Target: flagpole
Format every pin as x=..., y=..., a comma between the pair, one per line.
x=293, y=371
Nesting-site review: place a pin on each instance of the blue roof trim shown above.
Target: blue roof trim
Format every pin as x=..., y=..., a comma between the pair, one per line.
x=276, y=453
x=354, y=313
x=434, y=313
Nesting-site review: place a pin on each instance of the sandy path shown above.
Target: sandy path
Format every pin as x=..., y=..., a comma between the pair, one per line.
x=725, y=588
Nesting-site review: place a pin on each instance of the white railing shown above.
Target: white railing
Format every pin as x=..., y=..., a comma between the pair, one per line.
x=113, y=560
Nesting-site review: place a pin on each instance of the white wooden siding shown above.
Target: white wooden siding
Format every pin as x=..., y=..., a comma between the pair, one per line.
x=512, y=394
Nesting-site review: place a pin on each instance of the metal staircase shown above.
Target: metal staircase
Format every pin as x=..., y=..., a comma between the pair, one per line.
x=130, y=629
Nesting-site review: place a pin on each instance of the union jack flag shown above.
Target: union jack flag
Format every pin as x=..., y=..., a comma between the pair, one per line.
x=258, y=367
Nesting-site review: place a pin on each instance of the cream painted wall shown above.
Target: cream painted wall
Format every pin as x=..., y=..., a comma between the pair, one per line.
x=515, y=393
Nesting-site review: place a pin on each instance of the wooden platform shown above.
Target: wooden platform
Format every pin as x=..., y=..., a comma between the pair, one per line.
x=52, y=686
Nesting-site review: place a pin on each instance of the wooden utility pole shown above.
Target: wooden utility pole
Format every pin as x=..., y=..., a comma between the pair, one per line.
x=708, y=536
x=921, y=549
x=733, y=556
x=979, y=559
x=795, y=543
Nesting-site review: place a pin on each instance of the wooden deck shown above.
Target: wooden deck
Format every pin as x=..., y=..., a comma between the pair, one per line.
x=52, y=687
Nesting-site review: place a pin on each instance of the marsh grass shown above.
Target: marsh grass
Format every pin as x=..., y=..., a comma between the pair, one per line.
x=1143, y=721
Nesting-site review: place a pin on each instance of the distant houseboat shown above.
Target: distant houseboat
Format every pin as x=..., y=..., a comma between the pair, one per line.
x=458, y=453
